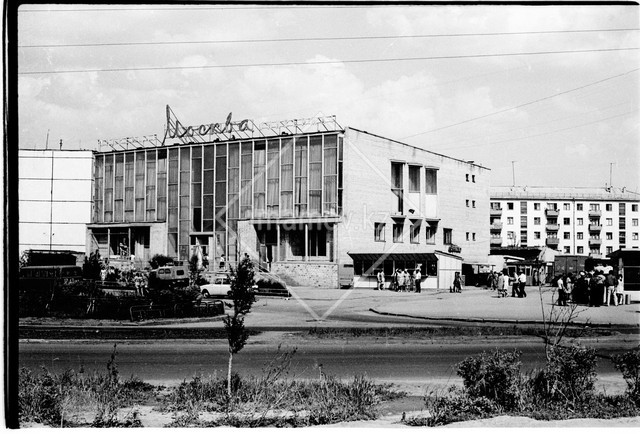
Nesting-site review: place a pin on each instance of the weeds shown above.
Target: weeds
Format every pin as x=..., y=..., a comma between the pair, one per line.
x=629, y=364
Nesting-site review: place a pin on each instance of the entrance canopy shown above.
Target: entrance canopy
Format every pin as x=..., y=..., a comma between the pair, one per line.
x=417, y=257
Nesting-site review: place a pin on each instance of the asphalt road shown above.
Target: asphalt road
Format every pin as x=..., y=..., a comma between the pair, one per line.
x=171, y=361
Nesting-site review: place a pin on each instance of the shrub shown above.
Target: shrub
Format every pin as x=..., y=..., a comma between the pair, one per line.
x=456, y=406
x=159, y=260
x=495, y=376
x=569, y=375
x=629, y=364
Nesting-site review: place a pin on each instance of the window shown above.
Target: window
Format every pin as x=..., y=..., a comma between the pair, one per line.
x=609, y=250
x=509, y=205
x=447, y=235
x=431, y=181
x=579, y=235
x=536, y=220
x=467, y=203
x=580, y=221
x=414, y=234
x=634, y=236
x=414, y=179
x=594, y=207
x=609, y=207
x=378, y=230
x=473, y=204
x=567, y=235
x=622, y=239
x=622, y=224
x=509, y=220
x=467, y=177
x=595, y=250
x=579, y=207
x=580, y=250
x=566, y=206
x=495, y=205
x=634, y=208
x=634, y=222
x=397, y=232
x=396, y=186
x=536, y=235
x=468, y=236
x=566, y=221
x=473, y=178
x=510, y=235
x=473, y=235
x=609, y=235
x=621, y=208
x=567, y=249
x=609, y=222
x=536, y=206
x=431, y=234
x=552, y=206
x=523, y=238
x=523, y=207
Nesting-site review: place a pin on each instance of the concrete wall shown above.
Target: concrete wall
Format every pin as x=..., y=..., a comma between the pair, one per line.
x=368, y=199
x=54, y=199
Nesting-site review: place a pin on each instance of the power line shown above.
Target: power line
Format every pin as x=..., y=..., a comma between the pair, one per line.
x=525, y=104
x=544, y=134
x=329, y=62
x=221, y=8
x=346, y=38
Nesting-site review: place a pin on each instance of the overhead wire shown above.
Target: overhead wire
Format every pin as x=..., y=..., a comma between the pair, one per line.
x=329, y=62
x=320, y=39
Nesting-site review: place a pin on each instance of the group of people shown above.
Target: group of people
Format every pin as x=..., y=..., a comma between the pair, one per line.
x=501, y=281
x=594, y=288
x=402, y=280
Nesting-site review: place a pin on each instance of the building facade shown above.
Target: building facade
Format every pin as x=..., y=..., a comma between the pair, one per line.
x=576, y=221
x=54, y=199
x=307, y=205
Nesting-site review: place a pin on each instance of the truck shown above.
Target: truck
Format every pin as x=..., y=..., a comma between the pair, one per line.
x=565, y=264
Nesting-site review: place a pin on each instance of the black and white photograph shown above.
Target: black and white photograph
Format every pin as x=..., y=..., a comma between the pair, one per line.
x=369, y=215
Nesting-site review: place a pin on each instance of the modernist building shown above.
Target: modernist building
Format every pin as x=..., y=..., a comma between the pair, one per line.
x=577, y=221
x=54, y=199
x=308, y=199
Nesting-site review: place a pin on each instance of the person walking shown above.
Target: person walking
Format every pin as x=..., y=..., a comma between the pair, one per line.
x=522, y=281
x=610, y=284
x=500, y=286
x=401, y=281
x=457, y=282
x=380, y=280
x=562, y=295
x=416, y=277
x=513, y=280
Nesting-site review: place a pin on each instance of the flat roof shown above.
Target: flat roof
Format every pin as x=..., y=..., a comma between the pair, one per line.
x=563, y=193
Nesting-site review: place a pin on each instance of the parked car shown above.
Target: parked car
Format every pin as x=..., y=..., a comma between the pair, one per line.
x=220, y=287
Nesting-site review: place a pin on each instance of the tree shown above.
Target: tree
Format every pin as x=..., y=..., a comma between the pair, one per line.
x=243, y=298
x=194, y=270
x=160, y=260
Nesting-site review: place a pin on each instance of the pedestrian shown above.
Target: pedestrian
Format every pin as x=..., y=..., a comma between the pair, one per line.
x=494, y=281
x=402, y=283
x=489, y=279
x=380, y=280
x=513, y=279
x=222, y=263
x=416, y=277
x=522, y=280
x=408, y=277
x=562, y=297
x=597, y=290
x=500, y=285
x=619, y=293
x=505, y=282
x=457, y=282
x=610, y=285
x=568, y=286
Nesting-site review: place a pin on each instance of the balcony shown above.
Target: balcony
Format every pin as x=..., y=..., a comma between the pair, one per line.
x=496, y=227
x=495, y=211
x=553, y=227
x=595, y=241
x=549, y=212
x=595, y=227
x=495, y=242
x=595, y=213
x=553, y=241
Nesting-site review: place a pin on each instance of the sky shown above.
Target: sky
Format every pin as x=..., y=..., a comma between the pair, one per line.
x=541, y=95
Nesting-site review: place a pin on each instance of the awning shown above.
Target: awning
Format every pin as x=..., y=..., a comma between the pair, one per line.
x=417, y=257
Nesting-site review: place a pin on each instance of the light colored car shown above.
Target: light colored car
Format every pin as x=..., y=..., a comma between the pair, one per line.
x=220, y=287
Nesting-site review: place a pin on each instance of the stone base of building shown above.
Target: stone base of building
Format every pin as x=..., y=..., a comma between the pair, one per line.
x=317, y=275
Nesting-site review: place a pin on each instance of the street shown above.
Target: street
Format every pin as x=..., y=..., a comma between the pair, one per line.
x=403, y=360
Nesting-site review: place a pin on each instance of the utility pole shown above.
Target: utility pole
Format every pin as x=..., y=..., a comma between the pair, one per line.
x=513, y=172
x=46, y=144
